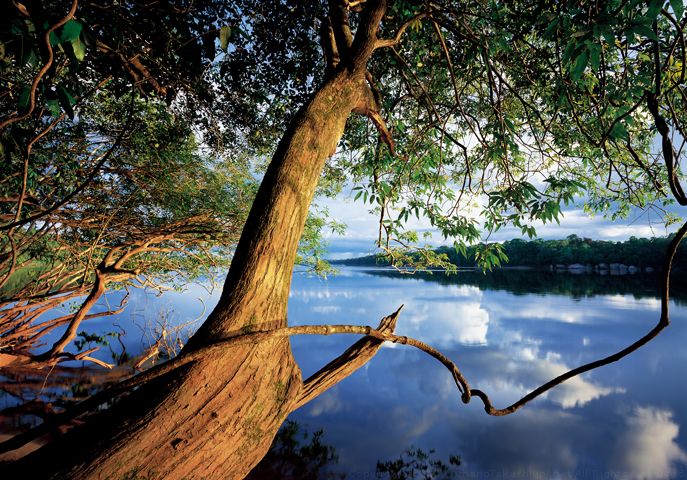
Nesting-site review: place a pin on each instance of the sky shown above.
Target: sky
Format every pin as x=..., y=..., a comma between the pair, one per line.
x=363, y=227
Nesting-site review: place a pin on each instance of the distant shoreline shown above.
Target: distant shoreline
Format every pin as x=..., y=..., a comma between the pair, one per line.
x=640, y=253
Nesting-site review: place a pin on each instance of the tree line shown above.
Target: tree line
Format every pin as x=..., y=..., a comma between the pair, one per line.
x=638, y=252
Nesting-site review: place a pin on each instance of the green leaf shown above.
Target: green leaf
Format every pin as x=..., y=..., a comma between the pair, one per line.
x=594, y=59
x=551, y=29
x=28, y=55
x=54, y=38
x=646, y=31
x=545, y=18
x=53, y=102
x=581, y=64
x=68, y=32
x=224, y=35
x=609, y=36
x=79, y=47
x=24, y=102
x=655, y=8
x=641, y=21
x=581, y=33
x=619, y=131
x=54, y=107
x=567, y=53
x=66, y=100
x=678, y=8
x=243, y=34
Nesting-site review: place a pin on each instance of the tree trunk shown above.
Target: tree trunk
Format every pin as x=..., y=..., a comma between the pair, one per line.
x=216, y=417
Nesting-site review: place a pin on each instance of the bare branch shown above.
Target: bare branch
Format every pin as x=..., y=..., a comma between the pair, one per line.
x=77, y=190
x=347, y=363
x=392, y=42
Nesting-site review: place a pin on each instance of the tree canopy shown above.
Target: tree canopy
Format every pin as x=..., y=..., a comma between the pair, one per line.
x=509, y=110
x=107, y=184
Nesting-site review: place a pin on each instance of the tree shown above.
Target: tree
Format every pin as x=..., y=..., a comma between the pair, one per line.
x=570, y=93
x=153, y=212
x=118, y=198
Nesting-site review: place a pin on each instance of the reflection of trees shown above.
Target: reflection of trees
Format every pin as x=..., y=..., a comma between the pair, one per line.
x=30, y=394
x=524, y=282
x=288, y=459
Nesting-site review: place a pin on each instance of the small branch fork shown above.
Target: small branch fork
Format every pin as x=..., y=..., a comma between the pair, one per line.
x=349, y=361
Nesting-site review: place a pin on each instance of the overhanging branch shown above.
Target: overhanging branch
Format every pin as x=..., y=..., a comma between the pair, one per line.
x=329, y=372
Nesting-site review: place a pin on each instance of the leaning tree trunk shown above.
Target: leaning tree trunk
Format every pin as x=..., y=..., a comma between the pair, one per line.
x=216, y=417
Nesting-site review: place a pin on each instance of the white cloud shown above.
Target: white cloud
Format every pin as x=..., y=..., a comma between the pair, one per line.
x=328, y=402
x=363, y=228
x=520, y=377
x=647, y=448
x=575, y=392
x=326, y=309
x=456, y=316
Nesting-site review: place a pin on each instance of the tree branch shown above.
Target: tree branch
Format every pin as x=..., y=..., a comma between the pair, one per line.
x=347, y=363
x=79, y=189
x=392, y=42
x=336, y=370
x=43, y=71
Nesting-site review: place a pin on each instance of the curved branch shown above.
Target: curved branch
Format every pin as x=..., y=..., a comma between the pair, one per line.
x=43, y=71
x=663, y=323
x=668, y=152
x=381, y=43
x=96, y=400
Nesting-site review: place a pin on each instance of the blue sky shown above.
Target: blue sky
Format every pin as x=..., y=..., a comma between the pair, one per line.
x=363, y=227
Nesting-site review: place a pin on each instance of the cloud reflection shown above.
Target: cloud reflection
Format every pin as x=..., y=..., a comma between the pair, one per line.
x=647, y=448
x=512, y=379
x=328, y=402
x=577, y=391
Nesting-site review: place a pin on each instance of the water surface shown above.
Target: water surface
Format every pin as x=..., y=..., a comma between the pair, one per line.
x=508, y=332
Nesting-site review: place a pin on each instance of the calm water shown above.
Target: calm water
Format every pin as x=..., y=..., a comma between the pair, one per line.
x=508, y=332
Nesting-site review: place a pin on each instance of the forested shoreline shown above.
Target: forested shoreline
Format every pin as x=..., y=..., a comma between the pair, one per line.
x=638, y=252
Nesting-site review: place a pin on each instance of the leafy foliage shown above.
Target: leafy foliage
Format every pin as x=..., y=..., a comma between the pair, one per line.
x=506, y=111
x=286, y=459
x=551, y=102
x=115, y=161
x=86, y=339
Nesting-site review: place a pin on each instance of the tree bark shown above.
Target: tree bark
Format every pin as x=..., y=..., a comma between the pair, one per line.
x=216, y=417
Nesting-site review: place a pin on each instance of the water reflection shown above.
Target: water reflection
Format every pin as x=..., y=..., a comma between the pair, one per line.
x=508, y=332
x=648, y=444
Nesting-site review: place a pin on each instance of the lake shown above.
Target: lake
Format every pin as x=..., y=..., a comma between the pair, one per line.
x=508, y=332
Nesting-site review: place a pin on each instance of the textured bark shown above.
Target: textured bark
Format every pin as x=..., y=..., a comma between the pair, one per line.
x=216, y=417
